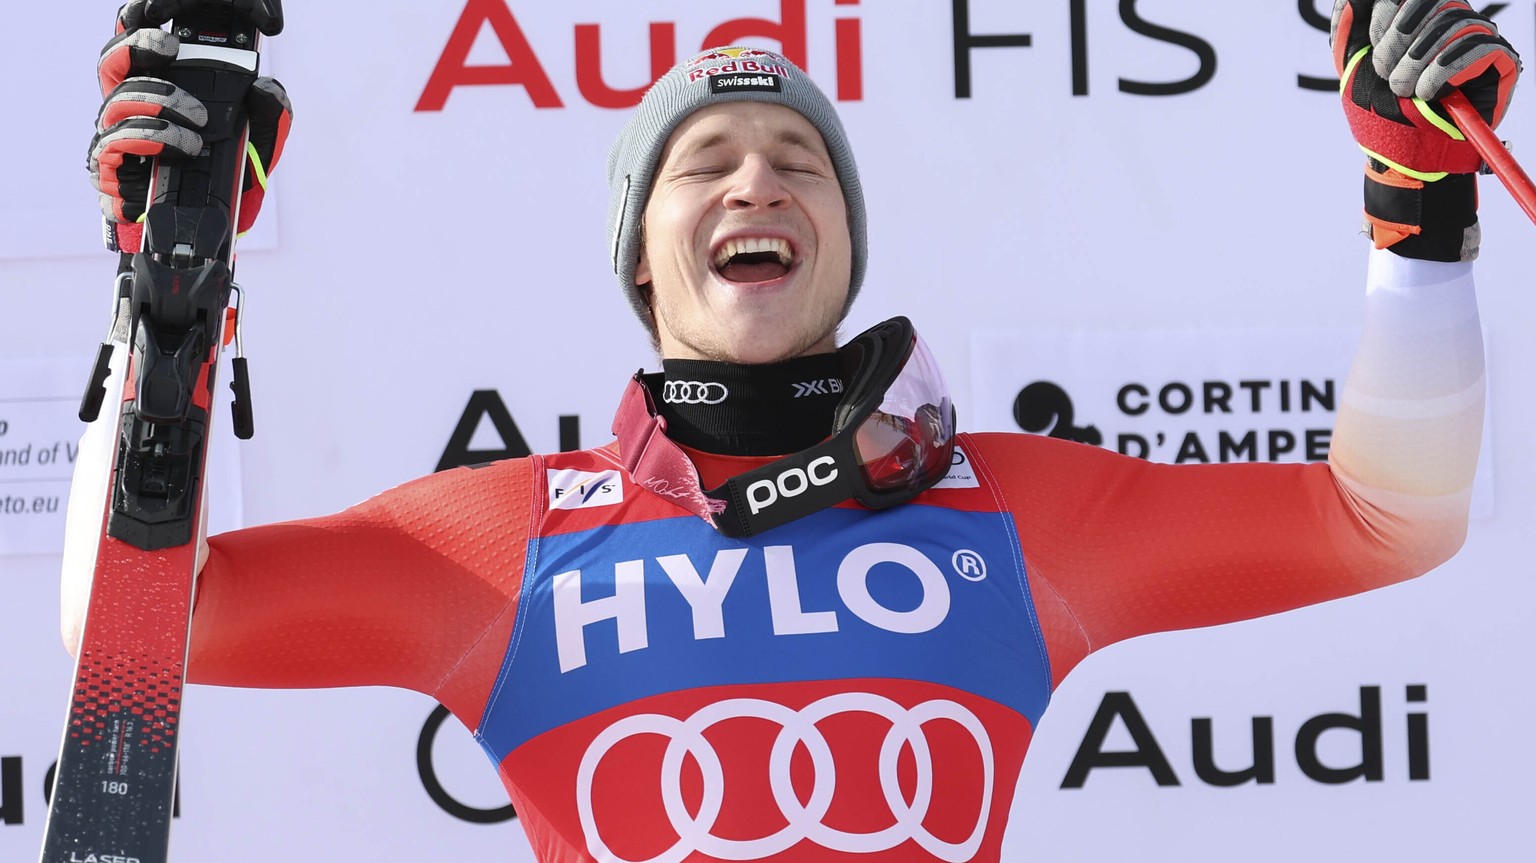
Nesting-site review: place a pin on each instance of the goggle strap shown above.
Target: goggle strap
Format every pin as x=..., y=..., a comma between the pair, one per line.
x=875, y=371
x=652, y=459
x=789, y=488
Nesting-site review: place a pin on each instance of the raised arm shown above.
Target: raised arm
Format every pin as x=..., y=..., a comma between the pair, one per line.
x=1117, y=547
x=402, y=590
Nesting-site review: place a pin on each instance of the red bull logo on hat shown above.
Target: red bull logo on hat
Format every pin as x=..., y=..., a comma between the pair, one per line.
x=731, y=61
x=728, y=54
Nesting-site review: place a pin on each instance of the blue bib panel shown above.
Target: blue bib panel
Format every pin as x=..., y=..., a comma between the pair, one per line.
x=625, y=611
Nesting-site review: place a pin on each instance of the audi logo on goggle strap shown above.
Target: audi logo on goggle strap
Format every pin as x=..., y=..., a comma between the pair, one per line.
x=685, y=737
x=694, y=392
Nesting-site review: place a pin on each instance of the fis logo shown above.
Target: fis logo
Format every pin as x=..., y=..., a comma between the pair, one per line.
x=579, y=489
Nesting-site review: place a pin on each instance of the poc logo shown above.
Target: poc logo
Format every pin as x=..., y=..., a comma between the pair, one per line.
x=791, y=483
x=579, y=489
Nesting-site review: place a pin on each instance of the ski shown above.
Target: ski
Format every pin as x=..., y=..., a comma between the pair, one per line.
x=114, y=790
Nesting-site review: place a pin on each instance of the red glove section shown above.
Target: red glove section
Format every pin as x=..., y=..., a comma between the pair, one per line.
x=1395, y=60
x=145, y=118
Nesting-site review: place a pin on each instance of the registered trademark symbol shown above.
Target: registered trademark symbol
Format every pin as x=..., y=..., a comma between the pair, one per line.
x=969, y=565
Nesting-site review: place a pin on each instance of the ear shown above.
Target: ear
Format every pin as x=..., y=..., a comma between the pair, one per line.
x=643, y=268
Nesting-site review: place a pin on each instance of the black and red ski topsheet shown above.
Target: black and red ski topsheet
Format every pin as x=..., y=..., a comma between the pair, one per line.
x=114, y=792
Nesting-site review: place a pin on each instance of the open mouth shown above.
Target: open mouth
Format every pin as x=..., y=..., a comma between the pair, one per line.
x=754, y=259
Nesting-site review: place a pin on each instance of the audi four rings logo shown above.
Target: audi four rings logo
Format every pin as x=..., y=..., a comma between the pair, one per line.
x=685, y=738
x=694, y=392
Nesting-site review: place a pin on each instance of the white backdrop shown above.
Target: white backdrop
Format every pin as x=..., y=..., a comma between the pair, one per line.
x=1050, y=227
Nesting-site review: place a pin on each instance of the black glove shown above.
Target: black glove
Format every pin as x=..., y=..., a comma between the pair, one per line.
x=146, y=117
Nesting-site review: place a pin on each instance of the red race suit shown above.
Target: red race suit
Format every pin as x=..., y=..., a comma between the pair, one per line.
x=855, y=682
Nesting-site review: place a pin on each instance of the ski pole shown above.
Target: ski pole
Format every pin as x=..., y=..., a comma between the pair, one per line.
x=1493, y=151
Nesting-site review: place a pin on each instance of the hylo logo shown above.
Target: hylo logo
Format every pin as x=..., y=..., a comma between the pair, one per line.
x=776, y=568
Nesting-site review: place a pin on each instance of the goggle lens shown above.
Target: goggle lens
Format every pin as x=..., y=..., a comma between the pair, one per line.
x=905, y=440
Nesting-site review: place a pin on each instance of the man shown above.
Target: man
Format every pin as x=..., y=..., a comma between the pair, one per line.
x=729, y=659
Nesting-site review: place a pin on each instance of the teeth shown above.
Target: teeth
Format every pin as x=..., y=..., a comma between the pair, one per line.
x=744, y=245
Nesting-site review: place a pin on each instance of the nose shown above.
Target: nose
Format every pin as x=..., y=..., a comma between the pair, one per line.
x=756, y=184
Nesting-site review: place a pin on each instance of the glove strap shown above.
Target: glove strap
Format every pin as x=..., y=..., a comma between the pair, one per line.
x=1434, y=221
x=125, y=237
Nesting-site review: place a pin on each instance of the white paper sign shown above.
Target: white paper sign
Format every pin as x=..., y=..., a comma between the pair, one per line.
x=39, y=435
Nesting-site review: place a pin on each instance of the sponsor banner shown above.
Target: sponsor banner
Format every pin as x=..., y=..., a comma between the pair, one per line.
x=1053, y=166
x=1178, y=396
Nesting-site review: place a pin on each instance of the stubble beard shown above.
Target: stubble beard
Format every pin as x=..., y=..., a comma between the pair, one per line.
x=714, y=345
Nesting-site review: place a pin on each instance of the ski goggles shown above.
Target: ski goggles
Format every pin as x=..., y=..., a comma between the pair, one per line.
x=892, y=439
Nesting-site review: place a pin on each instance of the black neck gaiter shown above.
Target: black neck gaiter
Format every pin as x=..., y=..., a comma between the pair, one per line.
x=734, y=409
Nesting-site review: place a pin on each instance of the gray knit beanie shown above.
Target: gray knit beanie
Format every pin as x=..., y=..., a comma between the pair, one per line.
x=714, y=77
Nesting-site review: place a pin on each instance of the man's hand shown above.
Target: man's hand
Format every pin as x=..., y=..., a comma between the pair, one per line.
x=145, y=117
x=1396, y=60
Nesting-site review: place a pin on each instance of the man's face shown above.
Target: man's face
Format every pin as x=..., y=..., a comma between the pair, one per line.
x=746, y=238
